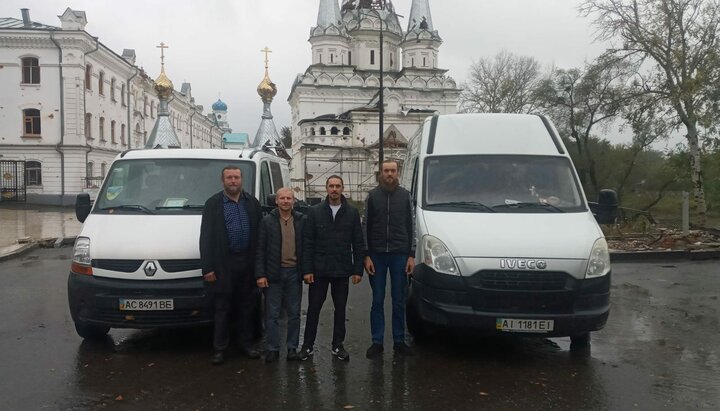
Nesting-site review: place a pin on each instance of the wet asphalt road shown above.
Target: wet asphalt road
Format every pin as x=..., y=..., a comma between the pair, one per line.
x=660, y=350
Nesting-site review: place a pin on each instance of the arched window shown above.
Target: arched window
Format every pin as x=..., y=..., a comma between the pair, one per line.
x=322, y=131
x=31, y=122
x=122, y=134
x=346, y=131
x=112, y=132
x=101, y=83
x=312, y=131
x=88, y=126
x=88, y=76
x=112, y=89
x=90, y=169
x=33, y=173
x=103, y=169
x=101, y=128
x=122, y=95
x=30, y=70
x=334, y=131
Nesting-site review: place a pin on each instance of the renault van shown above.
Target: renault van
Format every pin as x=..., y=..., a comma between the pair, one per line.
x=136, y=262
x=507, y=242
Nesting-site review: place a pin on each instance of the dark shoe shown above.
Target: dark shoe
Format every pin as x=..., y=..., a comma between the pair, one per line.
x=293, y=355
x=305, y=353
x=251, y=353
x=218, y=358
x=403, y=349
x=272, y=356
x=374, y=350
x=340, y=353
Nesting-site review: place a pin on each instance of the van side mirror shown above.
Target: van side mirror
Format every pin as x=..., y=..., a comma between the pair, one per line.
x=82, y=207
x=607, y=207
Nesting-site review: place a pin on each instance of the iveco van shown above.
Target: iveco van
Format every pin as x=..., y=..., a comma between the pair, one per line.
x=136, y=262
x=506, y=240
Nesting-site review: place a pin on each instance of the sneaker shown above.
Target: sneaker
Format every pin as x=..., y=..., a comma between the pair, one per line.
x=340, y=353
x=218, y=358
x=271, y=356
x=403, y=349
x=305, y=353
x=374, y=350
x=250, y=352
x=293, y=355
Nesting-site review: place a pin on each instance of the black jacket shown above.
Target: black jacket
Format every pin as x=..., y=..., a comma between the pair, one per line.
x=389, y=223
x=333, y=248
x=214, y=248
x=269, y=252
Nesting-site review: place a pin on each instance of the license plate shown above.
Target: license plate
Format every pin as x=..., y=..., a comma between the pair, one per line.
x=514, y=325
x=128, y=304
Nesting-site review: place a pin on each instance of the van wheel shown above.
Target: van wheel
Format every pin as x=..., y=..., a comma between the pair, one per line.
x=91, y=332
x=579, y=341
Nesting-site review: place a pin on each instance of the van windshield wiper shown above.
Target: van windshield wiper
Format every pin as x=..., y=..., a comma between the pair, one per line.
x=530, y=205
x=136, y=207
x=467, y=204
x=182, y=207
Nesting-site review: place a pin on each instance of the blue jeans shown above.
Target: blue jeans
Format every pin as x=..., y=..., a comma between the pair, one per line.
x=288, y=288
x=395, y=263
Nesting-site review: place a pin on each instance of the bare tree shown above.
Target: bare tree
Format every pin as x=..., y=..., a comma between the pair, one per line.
x=580, y=100
x=286, y=134
x=676, y=42
x=506, y=83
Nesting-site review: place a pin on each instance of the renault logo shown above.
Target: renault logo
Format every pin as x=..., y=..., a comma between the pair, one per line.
x=150, y=269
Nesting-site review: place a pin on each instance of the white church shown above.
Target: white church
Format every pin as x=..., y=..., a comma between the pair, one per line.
x=335, y=102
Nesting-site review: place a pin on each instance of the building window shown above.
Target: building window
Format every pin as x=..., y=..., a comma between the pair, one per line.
x=112, y=132
x=88, y=77
x=101, y=83
x=33, y=173
x=424, y=62
x=112, y=89
x=412, y=62
x=30, y=70
x=122, y=95
x=322, y=131
x=88, y=126
x=349, y=58
x=31, y=121
x=90, y=171
x=332, y=58
x=334, y=131
x=122, y=134
x=320, y=57
x=372, y=57
x=103, y=168
x=392, y=62
x=312, y=131
x=101, y=128
x=346, y=131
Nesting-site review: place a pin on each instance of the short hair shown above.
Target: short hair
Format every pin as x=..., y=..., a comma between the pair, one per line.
x=391, y=161
x=342, y=183
x=222, y=173
x=288, y=189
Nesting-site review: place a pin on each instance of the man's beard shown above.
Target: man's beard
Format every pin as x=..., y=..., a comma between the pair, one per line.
x=389, y=185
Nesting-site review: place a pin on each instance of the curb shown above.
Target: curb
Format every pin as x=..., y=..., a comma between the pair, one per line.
x=19, y=251
x=675, y=255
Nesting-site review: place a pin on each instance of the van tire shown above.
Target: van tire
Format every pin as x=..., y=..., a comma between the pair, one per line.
x=579, y=341
x=91, y=332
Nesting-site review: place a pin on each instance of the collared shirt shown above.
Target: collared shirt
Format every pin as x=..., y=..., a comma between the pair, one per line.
x=237, y=222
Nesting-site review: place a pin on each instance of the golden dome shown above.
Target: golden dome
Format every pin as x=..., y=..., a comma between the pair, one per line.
x=163, y=85
x=267, y=89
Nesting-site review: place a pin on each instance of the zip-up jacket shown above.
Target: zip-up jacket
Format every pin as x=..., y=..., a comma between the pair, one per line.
x=389, y=221
x=269, y=249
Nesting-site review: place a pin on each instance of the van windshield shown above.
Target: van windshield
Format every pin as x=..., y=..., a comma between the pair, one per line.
x=501, y=184
x=165, y=186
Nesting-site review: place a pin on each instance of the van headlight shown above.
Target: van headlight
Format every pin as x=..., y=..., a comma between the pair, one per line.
x=437, y=256
x=599, y=262
x=81, y=251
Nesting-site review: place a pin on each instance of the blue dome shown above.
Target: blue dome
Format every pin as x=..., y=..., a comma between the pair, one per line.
x=219, y=106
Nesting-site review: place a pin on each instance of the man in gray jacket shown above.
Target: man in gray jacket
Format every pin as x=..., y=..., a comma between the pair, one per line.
x=278, y=257
x=389, y=229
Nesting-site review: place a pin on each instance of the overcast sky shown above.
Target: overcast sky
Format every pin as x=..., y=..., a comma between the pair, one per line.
x=215, y=44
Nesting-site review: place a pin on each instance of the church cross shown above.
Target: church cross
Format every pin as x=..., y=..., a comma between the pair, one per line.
x=266, y=50
x=162, y=48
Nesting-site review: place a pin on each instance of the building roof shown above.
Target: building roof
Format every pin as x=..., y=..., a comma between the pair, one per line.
x=12, y=23
x=329, y=14
x=219, y=106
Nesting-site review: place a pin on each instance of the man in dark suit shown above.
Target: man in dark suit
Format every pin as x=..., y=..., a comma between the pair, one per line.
x=332, y=256
x=228, y=242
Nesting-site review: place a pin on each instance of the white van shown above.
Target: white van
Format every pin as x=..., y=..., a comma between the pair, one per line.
x=507, y=242
x=136, y=262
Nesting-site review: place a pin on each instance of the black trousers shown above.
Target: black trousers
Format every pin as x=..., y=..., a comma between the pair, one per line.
x=237, y=299
x=339, y=288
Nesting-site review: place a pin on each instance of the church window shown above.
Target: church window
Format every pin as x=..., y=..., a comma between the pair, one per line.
x=424, y=62
x=101, y=83
x=112, y=132
x=334, y=131
x=112, y=89
x=31, y=121
x=88, y=76
x=88, y=126
x=33, y=173
x=332, y=58
x=30, y=70
x=312, y=131
x=122, y=134
x=322, y=131
x=122, y=95
x=372, y=57
x=346, y=131
x=412, y=62
x=349, y=58
x=101, y=128
x=392, y=62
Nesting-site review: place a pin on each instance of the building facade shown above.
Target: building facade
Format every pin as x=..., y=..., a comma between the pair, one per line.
x=335, y=102
x=69, y=105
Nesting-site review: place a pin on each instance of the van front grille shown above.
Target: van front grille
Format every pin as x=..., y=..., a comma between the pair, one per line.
x=175, y=266
x=123, y=266
x=520, y=280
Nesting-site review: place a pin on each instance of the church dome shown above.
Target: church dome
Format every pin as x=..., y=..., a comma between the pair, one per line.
x=219, y=106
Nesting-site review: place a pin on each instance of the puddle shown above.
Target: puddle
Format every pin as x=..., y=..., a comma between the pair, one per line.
x=37, y=224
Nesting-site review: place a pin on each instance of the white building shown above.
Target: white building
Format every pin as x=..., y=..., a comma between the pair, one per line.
x=335, y=103
x=69, y=105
